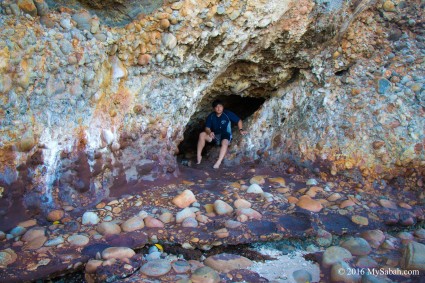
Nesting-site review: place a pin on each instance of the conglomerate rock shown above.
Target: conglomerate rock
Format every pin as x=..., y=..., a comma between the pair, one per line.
x=86, y=106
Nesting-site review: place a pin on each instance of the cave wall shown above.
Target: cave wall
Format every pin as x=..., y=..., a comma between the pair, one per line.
x=343, y=82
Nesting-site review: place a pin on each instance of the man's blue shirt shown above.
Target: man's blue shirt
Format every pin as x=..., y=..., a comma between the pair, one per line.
x=222, y=124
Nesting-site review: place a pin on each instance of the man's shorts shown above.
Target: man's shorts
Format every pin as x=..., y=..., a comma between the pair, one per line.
x=219, y=137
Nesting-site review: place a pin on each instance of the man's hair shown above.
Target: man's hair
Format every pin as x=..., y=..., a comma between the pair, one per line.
x=217, y=102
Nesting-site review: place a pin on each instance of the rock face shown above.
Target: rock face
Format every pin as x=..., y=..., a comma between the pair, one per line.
x=119, y=98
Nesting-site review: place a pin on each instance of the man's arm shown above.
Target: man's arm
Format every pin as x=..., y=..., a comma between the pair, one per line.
x=240, y=127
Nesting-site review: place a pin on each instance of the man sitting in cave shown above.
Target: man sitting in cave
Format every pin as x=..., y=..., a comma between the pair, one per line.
x=218, y=128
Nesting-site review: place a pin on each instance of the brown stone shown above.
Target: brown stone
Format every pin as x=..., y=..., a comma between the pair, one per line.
x=117, y=253
x=152, y=222
x=55, y=215
x=144, y=59
x=33, y=233
x=35, y=243
x=226, y=262
x=184, y=199
x=164, y=23
x=28, y=7
x=346, y=203
x=374, y=237
x=310, y=204
x=292, y=199
x=387, y=204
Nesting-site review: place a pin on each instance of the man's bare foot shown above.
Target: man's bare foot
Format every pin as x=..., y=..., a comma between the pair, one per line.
x=199, y=160
x=217, y=165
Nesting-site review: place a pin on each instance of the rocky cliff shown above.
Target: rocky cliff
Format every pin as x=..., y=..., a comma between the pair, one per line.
x=95, y=95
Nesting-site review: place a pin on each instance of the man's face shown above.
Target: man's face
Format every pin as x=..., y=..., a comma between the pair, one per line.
x=218, y=109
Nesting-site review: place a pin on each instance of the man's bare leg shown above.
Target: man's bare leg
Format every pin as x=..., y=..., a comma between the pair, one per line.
x=223, y=150
x=201, y=144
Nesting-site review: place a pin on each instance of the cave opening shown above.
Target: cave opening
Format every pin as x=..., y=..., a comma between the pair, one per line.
x=243, y=107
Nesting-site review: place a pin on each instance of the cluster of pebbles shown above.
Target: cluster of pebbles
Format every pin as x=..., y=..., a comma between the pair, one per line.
x=195, y=217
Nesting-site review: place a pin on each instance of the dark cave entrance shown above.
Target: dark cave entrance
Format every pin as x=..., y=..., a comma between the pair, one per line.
x=244, y=107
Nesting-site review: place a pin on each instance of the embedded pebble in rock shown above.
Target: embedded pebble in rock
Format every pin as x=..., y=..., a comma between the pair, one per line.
x=302, y=276
x=374, y=237
x=241, y=203
x=153, y=256
x=251, y=213
x=55, y=215
x=78, y=240
x=383, y=85
x=346, y=203
x=366, y=262
x=221, y=208
x=420, y=233
x=82, y=19
x=27, y=6
x=387, y=204
x=278, y=180
x=92, y=265
x=133, y=224
x=184, y=199
x=334, y=197
x=169, y=40
x=259, y=180
x=311, y=182
x=117, y=253
x=28, y=223
x=357, y=246
x=7, y=257
x=152, y=222
x=35, y=243
x=312, y=192
x=389, y=6
x=183, y=214
x=231, y=224
x=90, y=218
x=413, y=257
x=2, y=235
x=226, y=262
x=222, y=233
x=54, y=242
x=180, y=266
x=202, y=218
x=166, y=217
x=340, y=272
x=405, y=236
x=118, y=71
x=323, y=238
x=17, y=231
x=205, y=274
x=310, y=204
x=156, y=268
x=108, y=228
x=142, y=214
x=255, y=189
x=360, y=220
x=33, y=233
x=335, y=254
x=190, y=222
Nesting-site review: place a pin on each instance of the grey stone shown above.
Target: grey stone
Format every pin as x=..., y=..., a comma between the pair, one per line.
x=383, y=85
x=156, y=267
x=357, y=246
x=302, y=276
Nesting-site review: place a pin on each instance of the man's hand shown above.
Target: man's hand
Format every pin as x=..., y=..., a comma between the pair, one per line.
x=212, y=135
